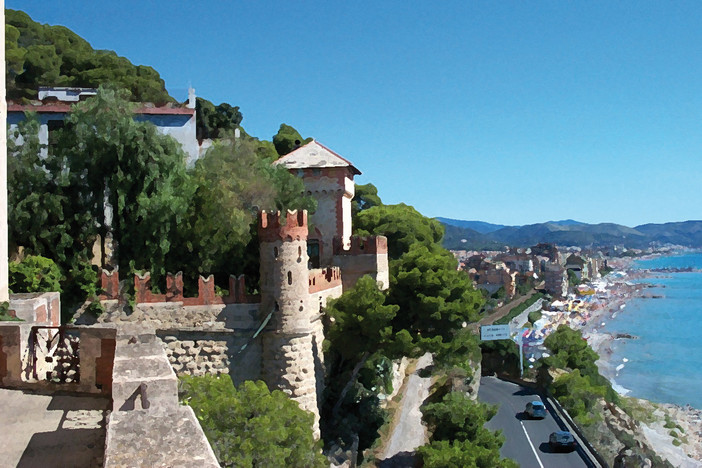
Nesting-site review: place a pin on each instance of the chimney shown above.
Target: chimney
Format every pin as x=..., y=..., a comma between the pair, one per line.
x=191, y=98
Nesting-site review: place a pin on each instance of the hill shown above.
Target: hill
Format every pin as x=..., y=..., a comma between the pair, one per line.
x=44, y=55
x=569, y=232
x=478, y=226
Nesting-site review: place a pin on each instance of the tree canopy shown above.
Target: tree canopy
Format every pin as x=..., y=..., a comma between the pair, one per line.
x=231, y=184
x=45, y=55
x=250, y=426
x=401, y=224
x=458, y=436
x=216, y=121
x=287, y=139
x=366, y=196
x=104, y=176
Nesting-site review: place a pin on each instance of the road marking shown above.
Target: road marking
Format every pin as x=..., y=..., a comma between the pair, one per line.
x=531, y=445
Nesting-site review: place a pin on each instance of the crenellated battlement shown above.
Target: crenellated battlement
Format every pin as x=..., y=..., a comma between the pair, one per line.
x=272, y=228
x=174, y=290
x=323, y=279
x=362, y=245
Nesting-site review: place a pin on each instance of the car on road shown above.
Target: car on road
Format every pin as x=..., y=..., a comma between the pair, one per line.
x=562, y=441
x=535, y=410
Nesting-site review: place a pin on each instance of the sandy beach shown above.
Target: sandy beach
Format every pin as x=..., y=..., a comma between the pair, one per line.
x=687, y=419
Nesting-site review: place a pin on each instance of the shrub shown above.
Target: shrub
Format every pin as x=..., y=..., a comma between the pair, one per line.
x=251, y=426
x=34, y=274
x=463, y=453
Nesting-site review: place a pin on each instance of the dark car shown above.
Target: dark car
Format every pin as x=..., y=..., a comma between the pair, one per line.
x=562, y=440
x=535, y=410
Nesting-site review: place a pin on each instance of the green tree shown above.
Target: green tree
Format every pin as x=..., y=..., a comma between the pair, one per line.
x=357, y=366
x=287, y=139
x=458, y=417
x=103, y=165
x=118, y=165
x=570, y=350
x=361, y=322
x=365, y=197
x=214, y=121
x=232, y=183
x=14, y=57
x=250, y=426
x=463, y=453
x=45, y=55
x=401, y=224
x=435, y=298
x=458, y=436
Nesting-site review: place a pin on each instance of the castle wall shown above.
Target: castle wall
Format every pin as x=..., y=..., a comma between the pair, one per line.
x=201, y=339
x=291, y=343
x=197, y=352
x=363, y=256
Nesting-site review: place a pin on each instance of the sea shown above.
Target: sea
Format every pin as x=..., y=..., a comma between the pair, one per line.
x=664, y=363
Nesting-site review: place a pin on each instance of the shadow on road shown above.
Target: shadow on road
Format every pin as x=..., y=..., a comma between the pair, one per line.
x=526, y=392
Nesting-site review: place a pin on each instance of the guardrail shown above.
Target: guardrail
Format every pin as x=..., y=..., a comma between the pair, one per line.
x=594, y=458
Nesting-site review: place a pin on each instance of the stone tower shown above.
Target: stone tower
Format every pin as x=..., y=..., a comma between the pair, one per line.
x=292, y=338
x=327, y=177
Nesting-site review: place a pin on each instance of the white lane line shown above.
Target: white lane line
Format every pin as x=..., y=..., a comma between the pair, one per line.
x=531, y=445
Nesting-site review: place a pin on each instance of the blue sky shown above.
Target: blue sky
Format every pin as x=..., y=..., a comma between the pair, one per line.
x=506, y=112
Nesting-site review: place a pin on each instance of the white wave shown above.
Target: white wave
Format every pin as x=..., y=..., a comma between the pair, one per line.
x=619, y=389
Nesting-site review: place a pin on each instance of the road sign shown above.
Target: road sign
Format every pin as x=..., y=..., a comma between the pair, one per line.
x=494, y=332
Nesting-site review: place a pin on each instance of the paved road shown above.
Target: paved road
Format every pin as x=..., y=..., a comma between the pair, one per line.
x=526, y=440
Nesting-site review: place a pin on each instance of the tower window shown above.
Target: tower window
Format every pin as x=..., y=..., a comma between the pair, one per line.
x=289, y=277
x=313, y=253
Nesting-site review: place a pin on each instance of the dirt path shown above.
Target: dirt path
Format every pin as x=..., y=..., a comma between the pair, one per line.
x=409, y=432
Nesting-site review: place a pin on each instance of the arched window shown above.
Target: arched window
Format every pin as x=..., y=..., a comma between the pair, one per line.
x=289, y=277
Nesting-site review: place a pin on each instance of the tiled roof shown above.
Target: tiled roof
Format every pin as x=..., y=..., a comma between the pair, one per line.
x=314, y=155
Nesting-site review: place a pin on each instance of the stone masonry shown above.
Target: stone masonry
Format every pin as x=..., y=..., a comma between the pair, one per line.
x=292, y=352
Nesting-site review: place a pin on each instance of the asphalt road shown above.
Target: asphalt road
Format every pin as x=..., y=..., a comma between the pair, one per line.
x=526, y=440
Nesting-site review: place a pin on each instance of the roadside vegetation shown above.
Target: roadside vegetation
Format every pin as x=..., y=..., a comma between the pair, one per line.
x=571, y=376
x=458, y=437
x=425, y=310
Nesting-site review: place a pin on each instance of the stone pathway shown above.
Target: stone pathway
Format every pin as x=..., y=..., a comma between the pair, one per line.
x=51, y=431
x=409, y=432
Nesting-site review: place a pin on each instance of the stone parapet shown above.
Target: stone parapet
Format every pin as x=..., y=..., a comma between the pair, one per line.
x=96, y=358
x=147, y=426
x=323, y=279
x=142, y=377
x=361, y=245
x=271, y=227
x=171, y=437
x=174, y=290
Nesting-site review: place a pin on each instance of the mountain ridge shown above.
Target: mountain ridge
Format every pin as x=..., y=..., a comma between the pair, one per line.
x=460, y=235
